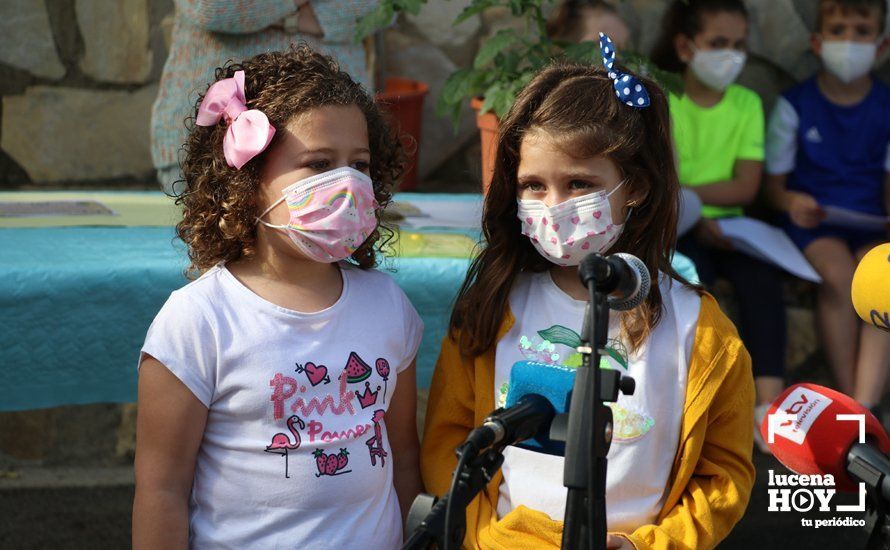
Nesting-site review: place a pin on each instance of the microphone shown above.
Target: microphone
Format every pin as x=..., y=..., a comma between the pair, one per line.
x=524, y=418
x=555, y=384
x=871, y=287
x=623, y=276
x=552, y=382
x=814, y=441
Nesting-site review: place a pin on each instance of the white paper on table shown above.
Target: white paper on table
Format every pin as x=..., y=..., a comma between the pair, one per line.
x=41, y=209
x=836, y=215
x=459, y=214
x=769, y=244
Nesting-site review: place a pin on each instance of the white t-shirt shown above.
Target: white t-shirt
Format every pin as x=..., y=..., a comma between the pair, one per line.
x=646, y=424
x=294, y=455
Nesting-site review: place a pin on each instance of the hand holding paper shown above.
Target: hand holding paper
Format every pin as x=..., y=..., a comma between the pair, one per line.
x=804, y=210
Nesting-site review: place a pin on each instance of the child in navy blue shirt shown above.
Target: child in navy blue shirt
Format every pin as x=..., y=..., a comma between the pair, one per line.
x=828, y=144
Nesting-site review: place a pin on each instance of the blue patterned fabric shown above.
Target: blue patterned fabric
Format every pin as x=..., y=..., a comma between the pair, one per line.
x=628, y=89
x=76, y=302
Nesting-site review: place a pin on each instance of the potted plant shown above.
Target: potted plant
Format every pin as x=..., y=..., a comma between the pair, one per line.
x=504, y=64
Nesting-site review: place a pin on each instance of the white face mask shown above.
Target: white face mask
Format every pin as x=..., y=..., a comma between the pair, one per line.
x=569, y=231
x=848, y=60
x=717, y=69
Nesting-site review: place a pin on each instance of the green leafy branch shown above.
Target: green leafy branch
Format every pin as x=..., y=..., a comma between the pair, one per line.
x=507, y=61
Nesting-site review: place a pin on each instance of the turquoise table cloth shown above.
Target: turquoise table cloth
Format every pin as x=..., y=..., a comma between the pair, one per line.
x=75, y=303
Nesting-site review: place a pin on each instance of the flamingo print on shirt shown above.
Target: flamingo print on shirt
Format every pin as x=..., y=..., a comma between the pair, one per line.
x=281, y=444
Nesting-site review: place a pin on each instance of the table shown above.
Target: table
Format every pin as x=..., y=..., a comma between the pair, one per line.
x=76, y=299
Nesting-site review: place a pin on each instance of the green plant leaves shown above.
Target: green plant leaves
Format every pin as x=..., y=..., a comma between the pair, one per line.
x=493, y=46
x=507, y=61
x=476, y=7
x=584, y=52
x=379, y=18
x=383, y=14
x=412, y=6
x=640, y=64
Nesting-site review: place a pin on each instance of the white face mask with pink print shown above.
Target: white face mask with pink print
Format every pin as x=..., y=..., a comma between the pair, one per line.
x=570, y=230
x=331, y=214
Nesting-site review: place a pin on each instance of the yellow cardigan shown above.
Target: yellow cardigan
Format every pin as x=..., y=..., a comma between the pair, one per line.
x=712, y=472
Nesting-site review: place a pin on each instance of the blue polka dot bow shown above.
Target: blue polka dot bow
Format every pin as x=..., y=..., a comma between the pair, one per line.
x=627, y=87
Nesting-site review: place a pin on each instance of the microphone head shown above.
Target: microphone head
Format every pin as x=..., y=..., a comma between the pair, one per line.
x=871, y=287
x=641, y=274
x=553, y=382
x=815, y=441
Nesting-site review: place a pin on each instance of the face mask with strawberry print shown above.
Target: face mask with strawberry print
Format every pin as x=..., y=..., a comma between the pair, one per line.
x=570, y=230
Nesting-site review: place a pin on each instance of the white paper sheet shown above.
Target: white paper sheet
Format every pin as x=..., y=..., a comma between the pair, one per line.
x=769, y=244
x=458, y=214
x=40, y=209
x=845, y=217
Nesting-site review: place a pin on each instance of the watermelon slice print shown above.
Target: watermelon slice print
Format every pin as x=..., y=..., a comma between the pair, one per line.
x=356, y=369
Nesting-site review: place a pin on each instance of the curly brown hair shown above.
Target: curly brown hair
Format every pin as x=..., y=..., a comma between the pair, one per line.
x=219, y=202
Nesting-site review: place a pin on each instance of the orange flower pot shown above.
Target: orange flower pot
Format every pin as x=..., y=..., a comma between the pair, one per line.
x=402, y=99
x=488, y=131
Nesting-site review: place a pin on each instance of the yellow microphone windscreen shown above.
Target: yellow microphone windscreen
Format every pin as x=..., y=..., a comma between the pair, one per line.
x=871, y=287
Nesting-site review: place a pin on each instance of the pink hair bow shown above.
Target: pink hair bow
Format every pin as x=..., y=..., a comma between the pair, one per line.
x=249, y=130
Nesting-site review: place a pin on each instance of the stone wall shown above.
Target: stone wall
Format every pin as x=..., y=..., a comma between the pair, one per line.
x=78, y=77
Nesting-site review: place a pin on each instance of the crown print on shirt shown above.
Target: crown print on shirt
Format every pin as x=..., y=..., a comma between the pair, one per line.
x=368, y=398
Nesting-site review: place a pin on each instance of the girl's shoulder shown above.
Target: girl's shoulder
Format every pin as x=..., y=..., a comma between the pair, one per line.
x=206, y=288
x=195, y=300
x=374, y=288
x=370, y=280
x=743, y=98
x=680, y=300
x=525, y=284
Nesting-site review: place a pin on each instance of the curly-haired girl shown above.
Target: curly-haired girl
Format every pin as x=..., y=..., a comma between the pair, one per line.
x=269, y=412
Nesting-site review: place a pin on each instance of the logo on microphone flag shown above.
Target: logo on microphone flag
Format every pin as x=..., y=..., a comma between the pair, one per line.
x=809, y=452
x=796, y=415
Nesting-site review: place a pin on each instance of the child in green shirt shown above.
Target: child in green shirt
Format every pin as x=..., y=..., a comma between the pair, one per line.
x=718, y=135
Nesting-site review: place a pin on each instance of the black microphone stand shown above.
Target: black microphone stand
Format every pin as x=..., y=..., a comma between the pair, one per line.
x=868, y=465
x=473, y=473
x=589, y=430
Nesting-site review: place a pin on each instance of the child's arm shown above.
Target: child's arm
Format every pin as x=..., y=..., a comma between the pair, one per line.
x=169, y=429
x=802, y=208
x=739, y=191
x=449, y=418
x=781, y=156
x=714, y=498
x=401, y=424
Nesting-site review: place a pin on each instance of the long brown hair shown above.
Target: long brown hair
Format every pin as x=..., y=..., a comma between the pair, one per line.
x=576, y=106
x=219, y=202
